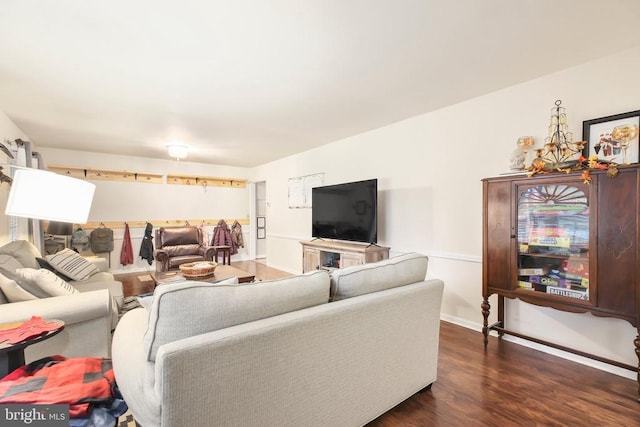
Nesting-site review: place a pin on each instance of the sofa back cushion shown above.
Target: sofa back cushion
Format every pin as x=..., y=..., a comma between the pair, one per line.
x=186, y=309
x=23, y=251
x=179, y=241
x=389, y=273
x=178, y=236
x=9, y=262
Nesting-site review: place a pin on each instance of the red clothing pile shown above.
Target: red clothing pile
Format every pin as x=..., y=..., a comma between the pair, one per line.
x=79, y=382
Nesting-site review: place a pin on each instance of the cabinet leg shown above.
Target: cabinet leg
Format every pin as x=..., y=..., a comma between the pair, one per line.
x=486, y=308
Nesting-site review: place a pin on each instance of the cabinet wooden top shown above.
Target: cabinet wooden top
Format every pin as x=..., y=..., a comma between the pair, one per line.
x=341, y=245
x=556, y=175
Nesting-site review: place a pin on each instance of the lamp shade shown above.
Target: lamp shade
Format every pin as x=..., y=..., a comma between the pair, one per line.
x=46, y=195
x=56, y=228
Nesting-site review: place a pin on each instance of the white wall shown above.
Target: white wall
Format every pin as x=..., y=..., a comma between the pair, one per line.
x=125, y=201
x=429, y=171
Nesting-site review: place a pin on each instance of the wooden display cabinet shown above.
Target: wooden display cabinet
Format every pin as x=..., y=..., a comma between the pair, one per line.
x=554, y=241
x=329, y=254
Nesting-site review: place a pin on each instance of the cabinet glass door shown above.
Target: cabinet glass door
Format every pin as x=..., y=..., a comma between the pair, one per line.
x=553, y=240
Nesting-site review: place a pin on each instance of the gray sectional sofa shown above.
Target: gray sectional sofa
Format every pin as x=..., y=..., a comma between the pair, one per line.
x=307, y=350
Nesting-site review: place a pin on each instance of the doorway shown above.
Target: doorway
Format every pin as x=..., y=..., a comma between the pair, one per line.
x=261, y=221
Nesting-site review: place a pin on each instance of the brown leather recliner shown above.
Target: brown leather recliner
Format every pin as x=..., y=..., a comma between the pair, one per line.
x=179, y=245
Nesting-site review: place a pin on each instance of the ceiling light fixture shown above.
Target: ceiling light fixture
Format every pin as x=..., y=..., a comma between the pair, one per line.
x=178, y=151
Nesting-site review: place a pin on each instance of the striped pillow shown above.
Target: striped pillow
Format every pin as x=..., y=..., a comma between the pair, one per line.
x=46, y=281
x=72, y=265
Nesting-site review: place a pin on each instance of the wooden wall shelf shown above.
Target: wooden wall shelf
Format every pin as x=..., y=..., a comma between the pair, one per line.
x=206, y=181
x=155, y=223
x=108, y=175
x=152, y=178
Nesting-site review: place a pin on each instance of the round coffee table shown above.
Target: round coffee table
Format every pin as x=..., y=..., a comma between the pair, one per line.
x=12, y=355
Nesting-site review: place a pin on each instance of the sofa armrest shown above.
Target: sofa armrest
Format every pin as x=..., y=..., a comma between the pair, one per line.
x=87, y=324
x=71, y=309
x=208, y=252
x=113, y=286
x=162, y=257
x=134, y=374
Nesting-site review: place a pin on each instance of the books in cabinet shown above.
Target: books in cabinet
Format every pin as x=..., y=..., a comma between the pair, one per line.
x=571, y=293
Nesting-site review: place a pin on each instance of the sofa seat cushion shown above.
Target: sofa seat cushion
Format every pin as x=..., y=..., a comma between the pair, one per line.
x=103, y=276
x=72, y=264
x=386, y=274
x=178, y=260
x=182, y=250
x=187, y=309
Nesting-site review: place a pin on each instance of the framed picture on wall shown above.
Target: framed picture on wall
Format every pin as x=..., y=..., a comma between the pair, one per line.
x=613, y=138
x=261, y=227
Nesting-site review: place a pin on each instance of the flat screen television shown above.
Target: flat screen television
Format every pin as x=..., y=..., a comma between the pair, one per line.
x=346, y=211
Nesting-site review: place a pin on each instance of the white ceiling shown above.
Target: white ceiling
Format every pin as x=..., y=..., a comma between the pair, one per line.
x=247, y=82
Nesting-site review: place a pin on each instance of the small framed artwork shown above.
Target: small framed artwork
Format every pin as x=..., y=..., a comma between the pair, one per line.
x=261, y=228
x=613, y=138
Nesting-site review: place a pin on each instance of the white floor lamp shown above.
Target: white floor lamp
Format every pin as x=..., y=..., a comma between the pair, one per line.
x=40, y=194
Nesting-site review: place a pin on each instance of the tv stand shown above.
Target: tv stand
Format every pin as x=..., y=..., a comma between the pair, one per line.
x=331, y=254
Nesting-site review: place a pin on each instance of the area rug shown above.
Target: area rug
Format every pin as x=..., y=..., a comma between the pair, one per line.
x=129, y=304
x=127, y=420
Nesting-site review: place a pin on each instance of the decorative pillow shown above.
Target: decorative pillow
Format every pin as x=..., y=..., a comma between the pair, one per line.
x=24, y=284
x=187, y=309
x=46, y=281
x=71, y=264
x=43, y=263
x=377, y=276
x=13, y=292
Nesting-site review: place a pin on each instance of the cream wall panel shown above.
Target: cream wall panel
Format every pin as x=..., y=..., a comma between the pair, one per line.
x=429, y=169
x=134, y=201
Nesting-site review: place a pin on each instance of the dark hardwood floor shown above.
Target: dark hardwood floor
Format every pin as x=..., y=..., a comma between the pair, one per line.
x=506, y=385
x=512, y=385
